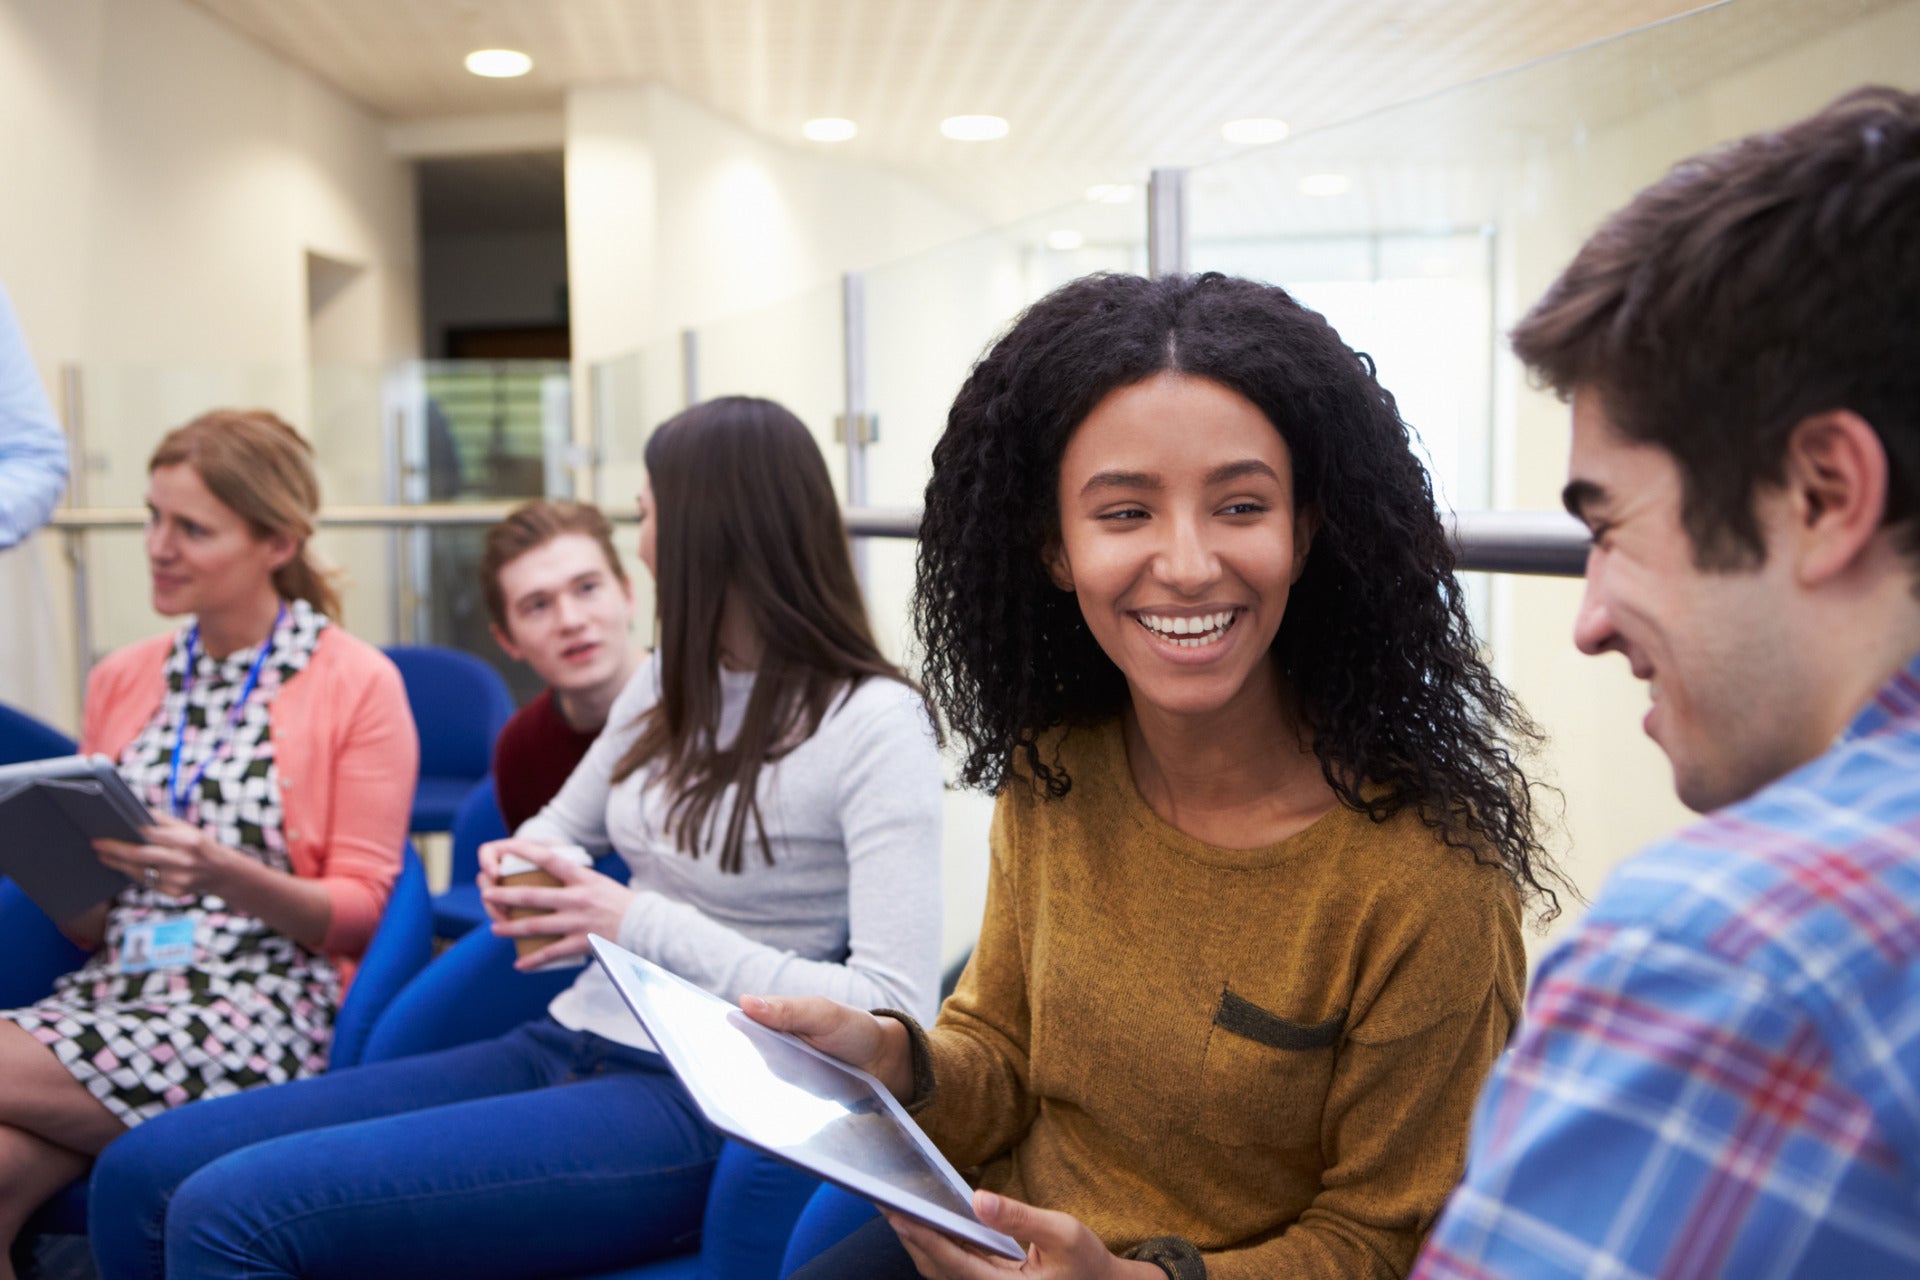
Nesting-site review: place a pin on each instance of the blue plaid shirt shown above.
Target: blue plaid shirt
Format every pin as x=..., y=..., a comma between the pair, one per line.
x=1719, y=1074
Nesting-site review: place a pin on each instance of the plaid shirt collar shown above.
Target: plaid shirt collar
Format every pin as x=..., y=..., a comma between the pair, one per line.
x=1897, y=705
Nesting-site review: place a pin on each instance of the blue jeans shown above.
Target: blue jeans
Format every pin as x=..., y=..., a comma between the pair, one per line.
x=544, y=1152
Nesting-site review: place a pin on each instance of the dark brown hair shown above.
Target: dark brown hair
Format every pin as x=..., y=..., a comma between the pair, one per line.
x=534, y=524
x=1757, y=284
x=744, y=506
x=261, y=469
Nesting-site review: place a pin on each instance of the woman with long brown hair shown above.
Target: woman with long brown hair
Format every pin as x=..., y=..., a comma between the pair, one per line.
x=774, y=784
x=278, y=757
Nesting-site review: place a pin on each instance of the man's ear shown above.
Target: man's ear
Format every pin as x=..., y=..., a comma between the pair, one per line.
x=1836, y=490
x=506, y=644
x=1058, y=567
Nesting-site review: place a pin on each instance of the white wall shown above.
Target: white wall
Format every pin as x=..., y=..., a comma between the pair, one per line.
x=166, y=180
x=677, y=216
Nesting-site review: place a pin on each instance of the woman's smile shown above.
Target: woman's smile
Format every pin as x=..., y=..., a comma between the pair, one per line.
x=1189, y=636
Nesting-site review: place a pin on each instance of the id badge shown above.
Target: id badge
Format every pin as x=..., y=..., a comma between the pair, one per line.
x=156, y=944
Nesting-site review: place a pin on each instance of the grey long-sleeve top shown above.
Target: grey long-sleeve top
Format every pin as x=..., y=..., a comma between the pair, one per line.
x=850, y=907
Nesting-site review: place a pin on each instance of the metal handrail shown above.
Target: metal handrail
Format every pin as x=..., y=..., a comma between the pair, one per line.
x=1531, y=542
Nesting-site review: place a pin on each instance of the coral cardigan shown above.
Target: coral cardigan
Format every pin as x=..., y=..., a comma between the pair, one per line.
x=346, y=754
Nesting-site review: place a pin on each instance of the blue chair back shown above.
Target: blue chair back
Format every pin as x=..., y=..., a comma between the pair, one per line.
x=459, y=706
x=401, y=946
x=24, y=738
x=32, y=951
x=477, y=822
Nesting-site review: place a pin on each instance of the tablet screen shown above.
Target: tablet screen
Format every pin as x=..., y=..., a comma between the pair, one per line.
x=792, y=1102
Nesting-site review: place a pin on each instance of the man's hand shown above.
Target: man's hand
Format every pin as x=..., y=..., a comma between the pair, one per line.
x=1059, y=1247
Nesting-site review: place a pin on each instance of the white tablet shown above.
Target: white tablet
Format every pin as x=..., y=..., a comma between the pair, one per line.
x=779, y=1095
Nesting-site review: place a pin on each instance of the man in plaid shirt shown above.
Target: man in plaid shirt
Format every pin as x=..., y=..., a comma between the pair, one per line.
x=1719, y=1074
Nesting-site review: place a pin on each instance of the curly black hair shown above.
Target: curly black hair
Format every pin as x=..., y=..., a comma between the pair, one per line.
x=1375, y=642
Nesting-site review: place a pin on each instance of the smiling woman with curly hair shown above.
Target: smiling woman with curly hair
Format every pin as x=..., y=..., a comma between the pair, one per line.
x=1261, y=845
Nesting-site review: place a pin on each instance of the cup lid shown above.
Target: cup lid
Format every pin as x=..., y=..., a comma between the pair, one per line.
x=513, y=864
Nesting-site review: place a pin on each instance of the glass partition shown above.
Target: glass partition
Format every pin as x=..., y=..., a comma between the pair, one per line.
x=793, y=352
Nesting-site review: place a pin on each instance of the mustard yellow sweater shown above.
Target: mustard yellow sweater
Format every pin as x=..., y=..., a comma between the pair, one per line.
x=1243, y=1063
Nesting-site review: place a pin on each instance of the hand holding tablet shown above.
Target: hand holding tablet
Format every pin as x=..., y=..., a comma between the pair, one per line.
x=1063, y=1247
x=877, y=1046
x=778, y=1094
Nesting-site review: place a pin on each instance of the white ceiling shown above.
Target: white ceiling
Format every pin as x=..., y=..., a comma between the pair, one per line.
x=1095, y=90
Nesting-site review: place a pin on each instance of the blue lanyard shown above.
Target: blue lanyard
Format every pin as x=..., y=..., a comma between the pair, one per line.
x=176, y=794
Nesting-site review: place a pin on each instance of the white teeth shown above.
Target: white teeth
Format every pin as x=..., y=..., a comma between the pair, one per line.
x=1188, y=632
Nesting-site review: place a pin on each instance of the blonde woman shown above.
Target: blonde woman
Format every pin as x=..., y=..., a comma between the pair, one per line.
x=278, y=758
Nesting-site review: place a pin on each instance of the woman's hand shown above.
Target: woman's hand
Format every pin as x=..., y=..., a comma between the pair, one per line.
x=489, y=856
x=1059, y=1247
x=178, y=859
x=878, y=1046
x=585, y=901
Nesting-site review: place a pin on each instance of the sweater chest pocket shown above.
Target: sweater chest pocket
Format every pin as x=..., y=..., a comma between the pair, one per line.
x=1265, y=1076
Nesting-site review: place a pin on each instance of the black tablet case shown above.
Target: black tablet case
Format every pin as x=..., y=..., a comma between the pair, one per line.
x=48, y=824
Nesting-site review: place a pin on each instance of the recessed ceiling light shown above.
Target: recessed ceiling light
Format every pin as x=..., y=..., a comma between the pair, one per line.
x=829, y=129
x=974, y=128
x=1111, y=192
x=501, y=64
x=1065, y=240
x=1254, y=131
x=1326, y=184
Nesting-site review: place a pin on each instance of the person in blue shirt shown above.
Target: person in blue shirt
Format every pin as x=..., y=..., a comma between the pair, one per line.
x=1719, y=1073
x=33, y=453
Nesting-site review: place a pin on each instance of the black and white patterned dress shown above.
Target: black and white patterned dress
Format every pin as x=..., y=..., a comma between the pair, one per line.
x=254, y=1007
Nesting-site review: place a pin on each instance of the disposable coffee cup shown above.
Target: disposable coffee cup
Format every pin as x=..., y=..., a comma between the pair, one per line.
x=517, y=872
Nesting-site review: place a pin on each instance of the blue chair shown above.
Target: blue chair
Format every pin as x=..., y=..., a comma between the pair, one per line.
x=401, y=947
x=459, y=706
x=23, y=738
x=478, y=821
x=33, y=953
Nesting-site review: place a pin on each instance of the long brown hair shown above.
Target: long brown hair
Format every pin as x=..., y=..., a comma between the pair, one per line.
x=261, y=469
x=744, y=506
